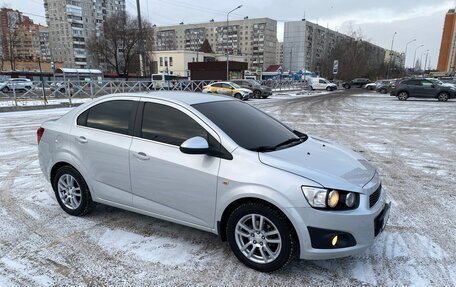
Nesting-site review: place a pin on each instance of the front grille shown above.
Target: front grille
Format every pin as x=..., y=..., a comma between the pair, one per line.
x=373, y=198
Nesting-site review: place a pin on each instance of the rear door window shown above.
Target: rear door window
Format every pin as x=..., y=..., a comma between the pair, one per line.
x=111, y=116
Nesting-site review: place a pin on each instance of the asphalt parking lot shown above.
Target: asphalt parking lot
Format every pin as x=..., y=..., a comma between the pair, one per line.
x=413, y=144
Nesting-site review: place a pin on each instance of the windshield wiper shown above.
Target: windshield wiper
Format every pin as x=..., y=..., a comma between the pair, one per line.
x=284, y=143
x=289, y=141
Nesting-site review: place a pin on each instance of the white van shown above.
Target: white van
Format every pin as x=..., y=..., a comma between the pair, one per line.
x=164, y=81
x=322, y=84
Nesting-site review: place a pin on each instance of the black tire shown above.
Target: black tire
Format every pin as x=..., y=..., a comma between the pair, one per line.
x=329, y=89
x=5, y=89
x=370, y=88
x=257, y=94
x=347, y=86
x=383, y=91
x=86, y=204
x=402, y=96
x=443, y=97
x=238, y=96
x=289, y=243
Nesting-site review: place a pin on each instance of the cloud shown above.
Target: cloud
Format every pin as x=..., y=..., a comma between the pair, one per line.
x=387, y=15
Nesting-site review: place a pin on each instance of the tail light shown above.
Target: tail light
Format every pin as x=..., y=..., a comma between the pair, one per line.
x=39, y=134
x=393, y=85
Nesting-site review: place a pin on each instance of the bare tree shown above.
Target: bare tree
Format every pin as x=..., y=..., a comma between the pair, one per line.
x=357, y=58
x=117, y=45
x=12, y=36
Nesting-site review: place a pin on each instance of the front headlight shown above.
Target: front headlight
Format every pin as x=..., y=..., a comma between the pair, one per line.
x=323, y=198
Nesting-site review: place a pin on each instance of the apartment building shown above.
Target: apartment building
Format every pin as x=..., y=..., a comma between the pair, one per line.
x=305, y=45
x=447, y=55
x=279, y=53
x=254, y=39
x=21, y=39
x=71, y=23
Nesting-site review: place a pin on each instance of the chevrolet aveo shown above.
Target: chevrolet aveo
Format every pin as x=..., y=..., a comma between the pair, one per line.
x=217, y=164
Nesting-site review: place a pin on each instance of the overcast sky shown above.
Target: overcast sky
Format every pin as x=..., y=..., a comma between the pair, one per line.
x=411, y=19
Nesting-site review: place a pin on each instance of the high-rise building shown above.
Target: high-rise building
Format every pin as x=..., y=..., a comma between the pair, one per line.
x=21, y=39
x=71, y=23
x=447, y=55
x=255, y=39
x=279, y=53
x=305, y=45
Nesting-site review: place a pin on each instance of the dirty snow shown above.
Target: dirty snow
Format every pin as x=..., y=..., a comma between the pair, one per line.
x=412, y=143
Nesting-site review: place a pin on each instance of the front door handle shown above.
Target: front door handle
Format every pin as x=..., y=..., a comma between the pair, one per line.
x=81, y=139
x=141, y=155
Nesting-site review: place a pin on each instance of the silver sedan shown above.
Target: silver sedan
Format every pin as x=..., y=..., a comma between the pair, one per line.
x=217, y=164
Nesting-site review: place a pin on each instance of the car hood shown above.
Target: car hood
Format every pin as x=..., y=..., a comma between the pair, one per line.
x=329, y=164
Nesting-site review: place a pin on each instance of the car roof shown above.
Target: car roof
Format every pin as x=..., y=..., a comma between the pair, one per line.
x=180, y=97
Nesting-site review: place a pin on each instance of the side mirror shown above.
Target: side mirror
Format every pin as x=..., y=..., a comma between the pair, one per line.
x=195, y=145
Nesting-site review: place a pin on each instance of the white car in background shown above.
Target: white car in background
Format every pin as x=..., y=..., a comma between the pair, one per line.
x=18, y=84
x=371, y=86
x=322, y=84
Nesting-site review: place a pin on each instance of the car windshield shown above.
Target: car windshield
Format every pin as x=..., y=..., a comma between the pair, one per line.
x=236, y=86
x=249, y=127
x=254, y=83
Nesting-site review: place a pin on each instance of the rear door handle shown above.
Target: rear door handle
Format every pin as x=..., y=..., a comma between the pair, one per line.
x=142, y=156
x=81, y=139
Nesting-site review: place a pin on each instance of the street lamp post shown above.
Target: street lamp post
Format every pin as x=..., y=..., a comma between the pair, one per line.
x=42, y=81
x=405, y=54
x=414, y=56
x=227, y=53
x=421, y=59
x=391, y=55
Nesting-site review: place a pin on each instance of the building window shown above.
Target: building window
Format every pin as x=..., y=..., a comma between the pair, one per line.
x=161, y=61
x=171, y=61
x=166, y=61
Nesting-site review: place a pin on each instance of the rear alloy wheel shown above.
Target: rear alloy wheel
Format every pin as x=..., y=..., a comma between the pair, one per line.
x=5, y=89
x=257, y=94
x=402, y=96
x=72, y=192
x=443, y=97
x=329, y=89
x=383, y=91
x=261, y=237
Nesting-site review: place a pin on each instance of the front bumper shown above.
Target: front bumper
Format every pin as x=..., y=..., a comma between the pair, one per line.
x=364, y=224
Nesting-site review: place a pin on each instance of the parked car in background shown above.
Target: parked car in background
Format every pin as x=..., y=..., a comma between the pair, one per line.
x=383, y=86
x=16, y=84
x=219, y=165
x=371, y=86
x=422, y=88
x=228, y=89
x=358, y=82
x=321, y=84
x=438, y=82
x=259, y=91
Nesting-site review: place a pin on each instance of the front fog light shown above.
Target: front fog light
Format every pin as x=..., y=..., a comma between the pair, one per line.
x=333, y=198
x=334, y=240
x=350, y=199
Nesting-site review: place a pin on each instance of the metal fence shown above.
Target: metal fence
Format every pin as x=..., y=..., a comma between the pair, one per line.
x=23, y=93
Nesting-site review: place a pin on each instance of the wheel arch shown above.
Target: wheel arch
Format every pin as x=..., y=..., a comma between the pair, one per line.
x=59, y=165
x=221, y=225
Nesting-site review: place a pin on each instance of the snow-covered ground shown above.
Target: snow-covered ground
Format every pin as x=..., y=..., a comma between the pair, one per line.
x=413, y=144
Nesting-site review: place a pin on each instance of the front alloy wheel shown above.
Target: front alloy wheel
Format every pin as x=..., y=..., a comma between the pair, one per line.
x=261, y=237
